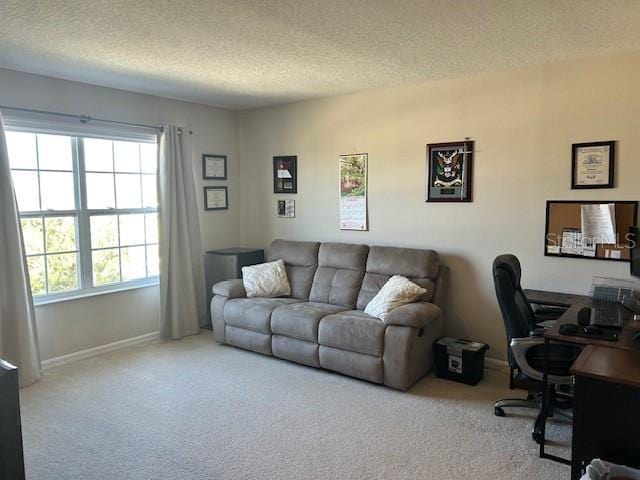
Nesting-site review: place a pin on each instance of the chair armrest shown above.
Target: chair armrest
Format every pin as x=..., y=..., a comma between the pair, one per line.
x=230, y=288
x=519, y=347
x=416, y=315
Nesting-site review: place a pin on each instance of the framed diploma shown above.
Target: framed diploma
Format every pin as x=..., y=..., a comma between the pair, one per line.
x=214, y=167
x=216, y=198
x=592, y=165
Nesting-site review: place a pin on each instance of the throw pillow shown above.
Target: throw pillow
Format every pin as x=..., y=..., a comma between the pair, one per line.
x=266, y=280
x=396, y=292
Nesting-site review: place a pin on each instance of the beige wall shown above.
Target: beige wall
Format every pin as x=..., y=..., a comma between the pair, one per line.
x=75, y=325
x=523, y=124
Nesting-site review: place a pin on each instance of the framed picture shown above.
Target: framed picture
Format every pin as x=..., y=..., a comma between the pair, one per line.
x=285, y=174
x=449, y=172
x=286, y=208
x=214, y=167
x=592, y=164
x=216, y=198
x=353, y=192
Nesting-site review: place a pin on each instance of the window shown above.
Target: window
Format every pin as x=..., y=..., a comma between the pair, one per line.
x=88, y=208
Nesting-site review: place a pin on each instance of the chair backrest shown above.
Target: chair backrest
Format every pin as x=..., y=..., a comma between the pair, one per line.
x=517, y=313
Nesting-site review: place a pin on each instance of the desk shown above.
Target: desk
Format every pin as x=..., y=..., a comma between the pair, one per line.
x=601, y=367
x=606, y=422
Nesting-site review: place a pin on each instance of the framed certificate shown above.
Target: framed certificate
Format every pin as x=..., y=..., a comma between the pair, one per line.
x=216, y=198
x=592, y=165
x=214, y=167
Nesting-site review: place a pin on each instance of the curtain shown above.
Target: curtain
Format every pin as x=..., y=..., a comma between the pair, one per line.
x=182, y=297
x=18, y=335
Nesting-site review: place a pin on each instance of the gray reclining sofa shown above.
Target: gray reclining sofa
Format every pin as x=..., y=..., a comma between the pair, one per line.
x=323, y=324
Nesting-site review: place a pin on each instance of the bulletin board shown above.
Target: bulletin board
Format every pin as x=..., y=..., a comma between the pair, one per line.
x=565, y=217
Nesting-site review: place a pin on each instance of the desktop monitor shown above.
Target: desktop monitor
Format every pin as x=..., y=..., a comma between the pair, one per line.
x=634, y=242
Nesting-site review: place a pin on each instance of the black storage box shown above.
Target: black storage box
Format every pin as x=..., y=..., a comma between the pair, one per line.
x=459, y=360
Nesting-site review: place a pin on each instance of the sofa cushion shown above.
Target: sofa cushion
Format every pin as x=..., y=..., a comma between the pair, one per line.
x=300, y=261
x=396, y=292
x=339, y=274
x=253, y=313
x=300, y=320
x=353, y=330
x=419, y=266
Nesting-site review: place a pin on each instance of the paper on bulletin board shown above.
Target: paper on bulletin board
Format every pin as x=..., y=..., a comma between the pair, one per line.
x=599, y=222
x=353, y=192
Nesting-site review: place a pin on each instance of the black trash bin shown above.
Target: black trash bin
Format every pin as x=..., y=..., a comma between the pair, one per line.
x=459, y=360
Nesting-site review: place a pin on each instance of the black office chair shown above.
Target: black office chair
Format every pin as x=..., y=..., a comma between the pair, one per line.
x=526, y=347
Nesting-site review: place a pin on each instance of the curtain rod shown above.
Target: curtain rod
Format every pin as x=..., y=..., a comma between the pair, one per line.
x=85, y=118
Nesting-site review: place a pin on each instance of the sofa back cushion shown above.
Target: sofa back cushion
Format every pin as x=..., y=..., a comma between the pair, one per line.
x=339, y=275
x=300, y=261
x=419, y=266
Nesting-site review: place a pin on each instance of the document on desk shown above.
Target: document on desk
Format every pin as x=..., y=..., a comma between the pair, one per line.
x=599, y=222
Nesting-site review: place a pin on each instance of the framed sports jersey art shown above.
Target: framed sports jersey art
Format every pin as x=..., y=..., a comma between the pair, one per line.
x=449, y=171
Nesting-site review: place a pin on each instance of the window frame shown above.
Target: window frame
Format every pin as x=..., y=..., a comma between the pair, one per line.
x=82, y=215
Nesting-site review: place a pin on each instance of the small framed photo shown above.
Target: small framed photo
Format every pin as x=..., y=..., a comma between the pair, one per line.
x=286, y=208
x=285, y=174
x=449, y=171
x=592, y=165
x=216, y=198
x=214, y=167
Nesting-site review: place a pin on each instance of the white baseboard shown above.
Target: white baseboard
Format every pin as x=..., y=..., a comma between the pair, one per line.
x=100, y=350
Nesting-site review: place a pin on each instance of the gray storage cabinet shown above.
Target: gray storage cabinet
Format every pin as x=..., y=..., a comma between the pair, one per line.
x=226, y=264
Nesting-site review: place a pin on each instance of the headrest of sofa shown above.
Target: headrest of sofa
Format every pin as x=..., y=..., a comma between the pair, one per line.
x=348, y=256
x=408, y=262
x=299, y=254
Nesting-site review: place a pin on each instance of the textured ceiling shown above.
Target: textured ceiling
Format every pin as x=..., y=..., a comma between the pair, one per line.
x=241, y=54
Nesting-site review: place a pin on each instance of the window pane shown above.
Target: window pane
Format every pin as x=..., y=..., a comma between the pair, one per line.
x=151, y=222
x=25, y=185
x=153, y=264
x=149, y=191
x=131, y=230
x=32, y=234
x=60, y=234
x=56, y=191
x=148, y=157
x=127, y=156
x=22, y=150
x=104, y=231
x=128, y=193
x=54, y=152
x=100, y=191
x=36, y=274
x=133, y=263
x=62, y=273
x=98, y=155
x=106, y=266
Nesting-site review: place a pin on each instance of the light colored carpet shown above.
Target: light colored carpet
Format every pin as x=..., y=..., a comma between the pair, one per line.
x=192, y=409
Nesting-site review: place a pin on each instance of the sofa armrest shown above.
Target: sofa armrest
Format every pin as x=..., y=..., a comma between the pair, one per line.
x=230, y=288
x=416, y=315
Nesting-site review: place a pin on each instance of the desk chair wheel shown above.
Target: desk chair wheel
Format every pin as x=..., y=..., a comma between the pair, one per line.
x=536, y=434
x=499, y=412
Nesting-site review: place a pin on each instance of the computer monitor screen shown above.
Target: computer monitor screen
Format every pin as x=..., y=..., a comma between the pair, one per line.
x=634, y=241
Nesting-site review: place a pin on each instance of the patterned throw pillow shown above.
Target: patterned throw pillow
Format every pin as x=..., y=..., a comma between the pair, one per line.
x=266, y=280
x=396, y=292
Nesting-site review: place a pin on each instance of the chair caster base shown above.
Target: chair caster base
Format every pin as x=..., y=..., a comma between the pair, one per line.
x=536, y=434
x=499, y=412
